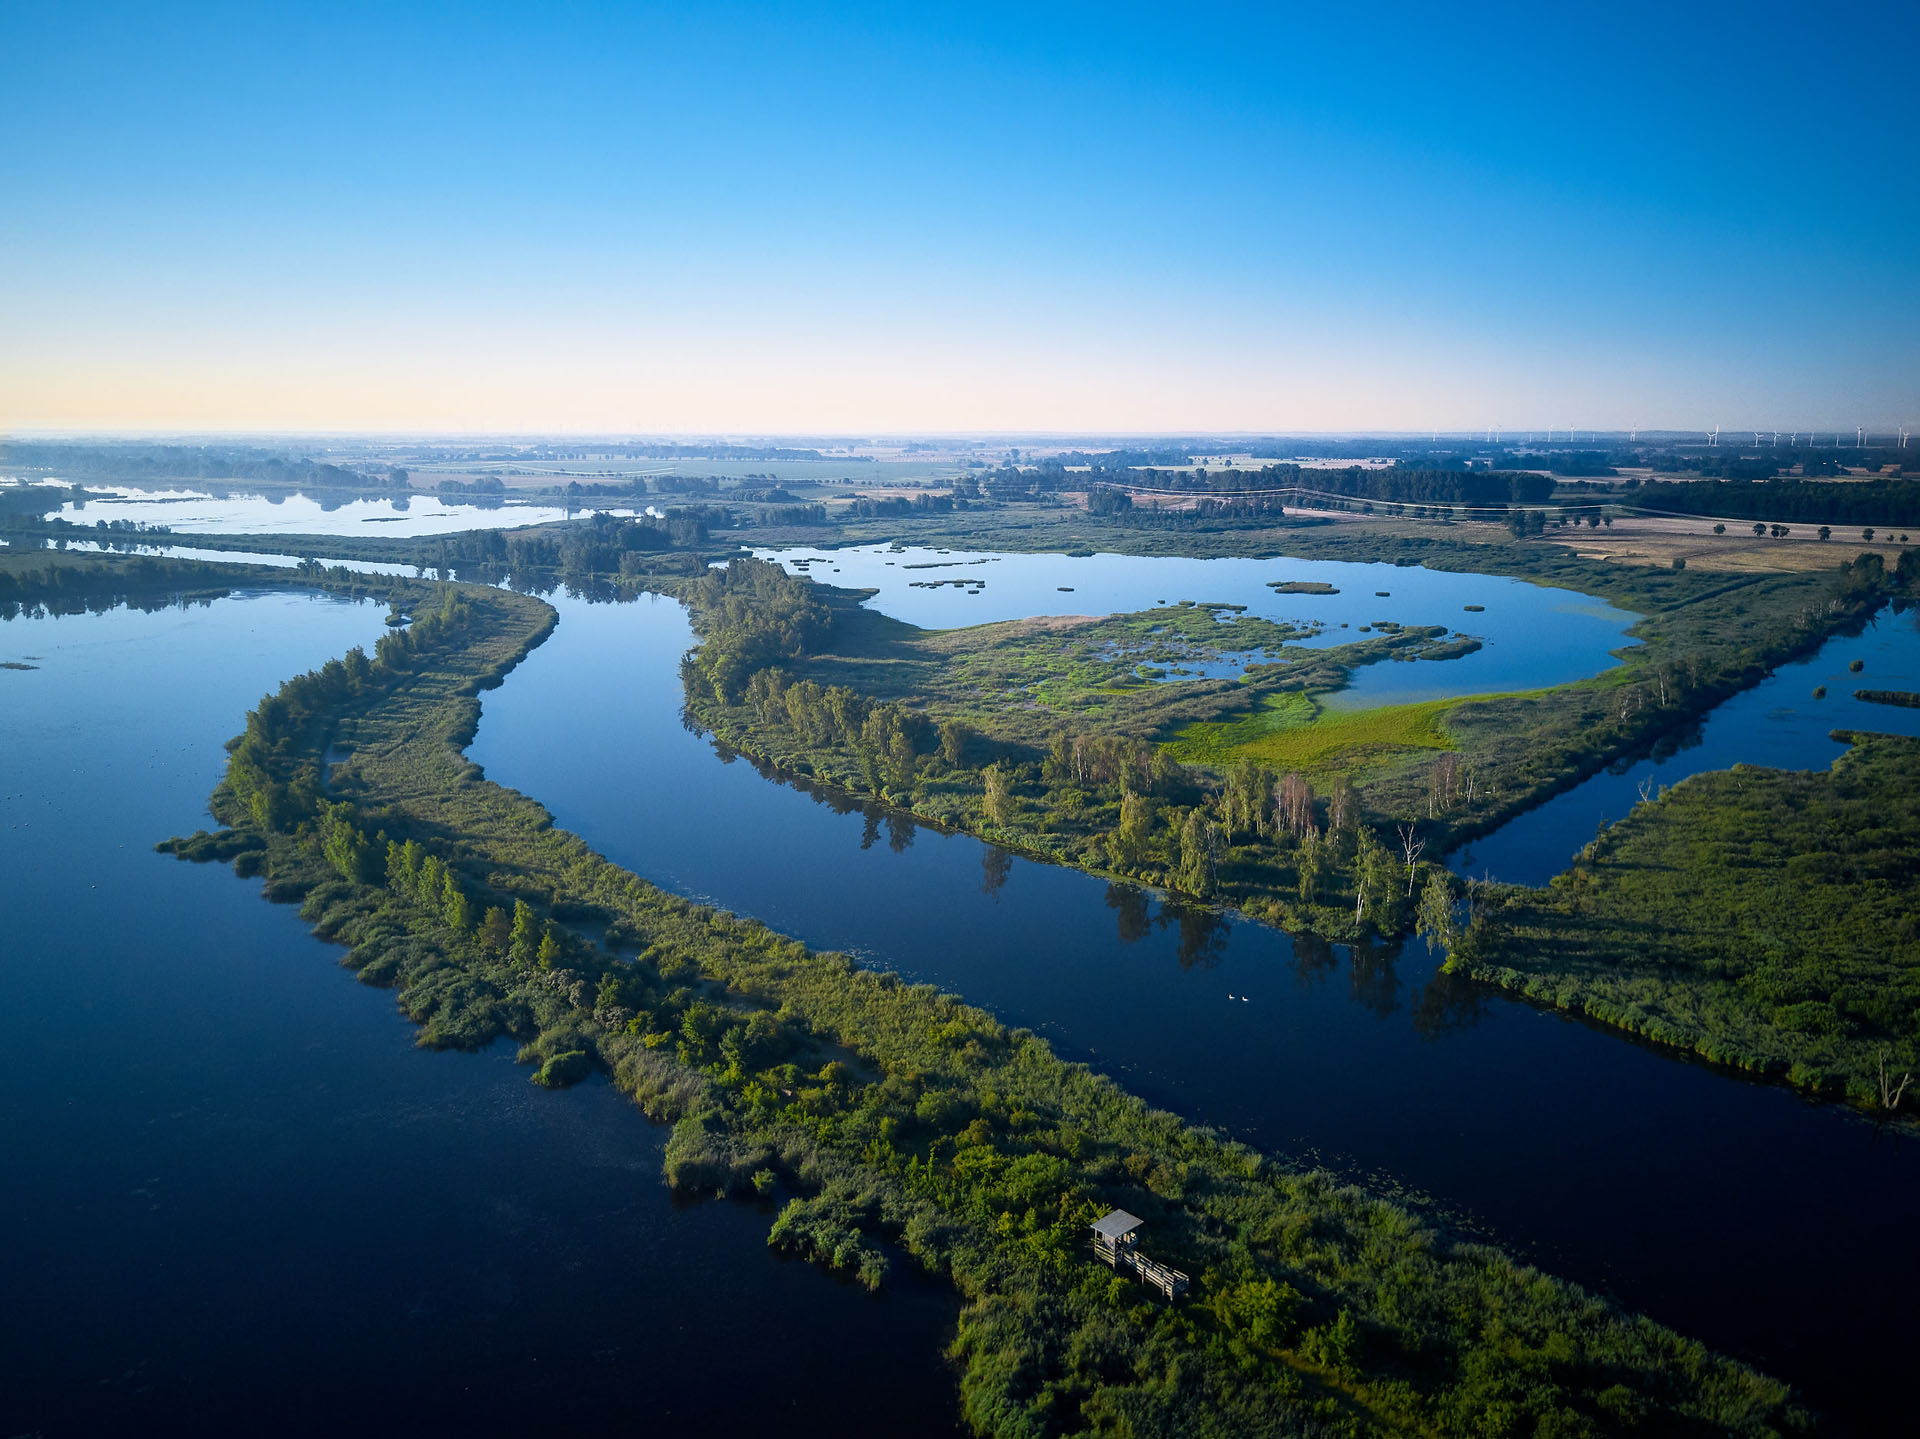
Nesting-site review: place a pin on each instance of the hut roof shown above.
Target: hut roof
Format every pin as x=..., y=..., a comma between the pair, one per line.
x=1117, y=1225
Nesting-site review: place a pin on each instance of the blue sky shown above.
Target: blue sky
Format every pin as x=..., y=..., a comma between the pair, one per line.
x=892, y=218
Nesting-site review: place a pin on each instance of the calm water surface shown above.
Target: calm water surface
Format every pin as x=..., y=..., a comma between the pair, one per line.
x=1777, y=723
x=1727, y=1209
x=1530, y=635
x=238, y=1199
x=190, y=511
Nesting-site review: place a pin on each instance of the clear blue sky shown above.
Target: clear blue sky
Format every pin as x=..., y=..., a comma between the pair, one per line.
x=785, y=218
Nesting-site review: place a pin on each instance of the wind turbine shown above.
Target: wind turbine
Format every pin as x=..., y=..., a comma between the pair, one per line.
x=1859, y=437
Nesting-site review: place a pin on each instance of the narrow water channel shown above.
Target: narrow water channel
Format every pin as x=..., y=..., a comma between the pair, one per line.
x=1730, y=1210
x=1786, y=721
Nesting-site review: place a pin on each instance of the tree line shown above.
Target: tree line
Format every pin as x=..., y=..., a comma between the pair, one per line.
x=1859, y=502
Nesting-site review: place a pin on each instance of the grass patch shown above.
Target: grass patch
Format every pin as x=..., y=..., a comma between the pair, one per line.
x=1292, y=732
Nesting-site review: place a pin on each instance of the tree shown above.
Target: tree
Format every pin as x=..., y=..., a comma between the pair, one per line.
x=1758, y=529
x=496, y=932
x=999, y=798
x=1240, y=802
x=1434, y=921
x=1372, y=879
x=1867, y=534
x=455, y=907
x=1199, y=853
x=1411, y=845
x=1719, y=529
x=1132, y=842
x=1343, y=807
x=953, y=743
x=1293, y=805
x=1826, y=531
x=525, y=941
x=1311, y=863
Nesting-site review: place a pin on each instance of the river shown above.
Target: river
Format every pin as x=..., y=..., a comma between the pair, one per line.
x=252, y=1192
x=238, y=1198
x=1721, y=1207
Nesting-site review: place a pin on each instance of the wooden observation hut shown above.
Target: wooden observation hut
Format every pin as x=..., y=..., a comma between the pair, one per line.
x=1116, y=1243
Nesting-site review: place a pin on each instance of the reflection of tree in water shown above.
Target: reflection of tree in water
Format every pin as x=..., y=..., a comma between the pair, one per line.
x=1447, y=1002
x=1313, y=958
x=1129, y=904
x=1376, y=987
x=995, y=865
x=1665, y=747
x=1203, y=934
x=870, y=827
x=900, y=831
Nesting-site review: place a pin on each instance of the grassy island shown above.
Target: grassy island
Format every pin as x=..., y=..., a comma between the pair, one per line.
x=1044, y=736
x=897, y=1119
x=1764, y=919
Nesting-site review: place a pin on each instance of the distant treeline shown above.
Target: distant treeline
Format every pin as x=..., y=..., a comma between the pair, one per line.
x=143, y=462
x=601, y=545
x=70, y=589
x=923, y=503
x=1379, y=486
x=710, y=452
x=71, y=584
x=1860, y=502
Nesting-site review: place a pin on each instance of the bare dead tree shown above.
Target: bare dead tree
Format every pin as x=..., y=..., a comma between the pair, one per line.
x=1410, y=845
x=1343, y=809
x=1441, y=781
x=1646, y=789
x=1296, y=804
x=1891, y=1093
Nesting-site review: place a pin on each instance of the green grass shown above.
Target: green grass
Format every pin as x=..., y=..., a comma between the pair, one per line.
x=1764, y=919
x=1292, y=732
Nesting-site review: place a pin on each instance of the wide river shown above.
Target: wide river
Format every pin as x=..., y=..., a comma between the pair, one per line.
x=239, y=1201
x=252, y=1195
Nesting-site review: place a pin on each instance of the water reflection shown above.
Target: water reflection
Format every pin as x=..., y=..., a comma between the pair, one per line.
x=218, y=509
x=995, y=865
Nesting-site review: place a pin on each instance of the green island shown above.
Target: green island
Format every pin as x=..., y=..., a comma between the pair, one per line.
x=894, y=1118
x=1041, y=736
x=1763, y=919
x=1905, y=699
